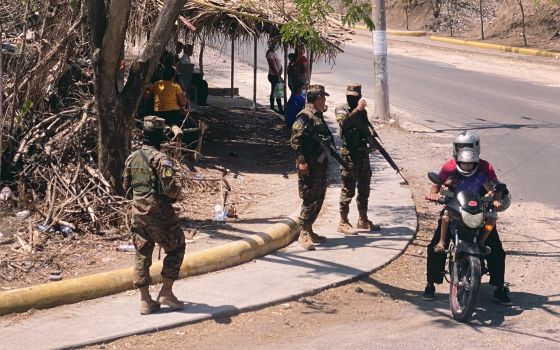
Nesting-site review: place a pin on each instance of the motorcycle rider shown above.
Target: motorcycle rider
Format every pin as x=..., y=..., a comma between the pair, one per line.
x=470, y=179
x=435, y=263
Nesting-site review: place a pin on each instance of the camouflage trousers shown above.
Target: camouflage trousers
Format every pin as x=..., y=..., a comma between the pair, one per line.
x=145, y=235
x=312, y=189
x=359, y=176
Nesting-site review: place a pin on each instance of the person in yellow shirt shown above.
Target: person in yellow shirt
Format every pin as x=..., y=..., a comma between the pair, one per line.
x=169, y=98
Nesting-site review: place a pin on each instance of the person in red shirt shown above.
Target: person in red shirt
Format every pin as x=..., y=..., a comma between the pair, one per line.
x=301, y=68
x=496, y=260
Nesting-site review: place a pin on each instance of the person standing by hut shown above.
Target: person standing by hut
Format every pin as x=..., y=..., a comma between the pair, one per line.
x=275, y=71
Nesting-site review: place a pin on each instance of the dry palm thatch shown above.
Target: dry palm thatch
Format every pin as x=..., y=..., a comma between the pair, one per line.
x=240, y=20
x=245, y=19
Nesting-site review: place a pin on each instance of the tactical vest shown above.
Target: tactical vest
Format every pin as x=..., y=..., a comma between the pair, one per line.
x=312, y=149
x=143, y=179
x=353, y=139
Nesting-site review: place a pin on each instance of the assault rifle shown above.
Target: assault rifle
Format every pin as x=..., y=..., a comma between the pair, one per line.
x=374, y=145
x=327, y=144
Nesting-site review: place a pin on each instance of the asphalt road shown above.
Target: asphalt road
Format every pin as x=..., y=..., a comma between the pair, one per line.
x=518, y=121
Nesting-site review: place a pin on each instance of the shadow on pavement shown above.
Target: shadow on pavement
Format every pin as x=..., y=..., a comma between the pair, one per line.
x=488, y=313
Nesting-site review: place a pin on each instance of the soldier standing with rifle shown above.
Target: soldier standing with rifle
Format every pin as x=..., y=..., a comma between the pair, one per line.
x=150, y=175
x=356, y=135
x=310, y=137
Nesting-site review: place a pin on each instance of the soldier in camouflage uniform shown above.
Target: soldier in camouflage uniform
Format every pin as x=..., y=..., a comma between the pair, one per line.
x=149, y=174
x=356, y=153
x=312, y=162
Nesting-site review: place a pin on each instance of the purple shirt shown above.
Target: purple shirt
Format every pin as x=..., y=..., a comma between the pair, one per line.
x=473, y=183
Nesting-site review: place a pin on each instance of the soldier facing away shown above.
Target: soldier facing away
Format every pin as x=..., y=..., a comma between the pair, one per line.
x=312, y=162
x=355, y=152
x=150, y=175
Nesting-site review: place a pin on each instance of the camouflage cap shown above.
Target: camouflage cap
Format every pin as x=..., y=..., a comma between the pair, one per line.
x=153, y=122
x=354, y=89
x=317, y=89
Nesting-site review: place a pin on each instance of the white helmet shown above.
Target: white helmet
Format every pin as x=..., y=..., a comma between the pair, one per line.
x=467, y=155
x=466, y=139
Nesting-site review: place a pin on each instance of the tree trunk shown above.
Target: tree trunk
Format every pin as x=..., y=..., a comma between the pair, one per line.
x=481, y=20
x=113, y=139
x=450, y=15
x=115, y=109
x=406, y=13
x=436, y=7
x=520, y=2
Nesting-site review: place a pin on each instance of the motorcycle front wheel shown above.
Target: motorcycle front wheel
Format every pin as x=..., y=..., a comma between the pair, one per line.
x=464, y=287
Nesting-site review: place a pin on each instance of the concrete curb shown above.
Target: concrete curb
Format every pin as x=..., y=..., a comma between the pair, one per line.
x=505, y=48
x=98, y=285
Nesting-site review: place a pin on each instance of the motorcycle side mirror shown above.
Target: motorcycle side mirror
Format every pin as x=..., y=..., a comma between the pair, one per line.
x=499, y=187
x=434, y=177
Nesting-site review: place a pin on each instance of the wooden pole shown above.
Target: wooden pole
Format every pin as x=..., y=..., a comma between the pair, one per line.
x=232, y=63
x=310, y=64
x=285, y=77
x=255, y=73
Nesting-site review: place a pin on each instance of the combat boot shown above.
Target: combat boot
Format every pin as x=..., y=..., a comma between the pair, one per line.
x=166, y=296
x=305, y=238
x=147, y=305
x=365, y=224
x=344, y=225
x=315, y=238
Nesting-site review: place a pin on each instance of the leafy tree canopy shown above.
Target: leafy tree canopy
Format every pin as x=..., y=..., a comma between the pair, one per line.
x=311, y=12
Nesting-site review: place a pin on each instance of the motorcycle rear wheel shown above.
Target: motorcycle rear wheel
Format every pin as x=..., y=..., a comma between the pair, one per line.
x=463, y=294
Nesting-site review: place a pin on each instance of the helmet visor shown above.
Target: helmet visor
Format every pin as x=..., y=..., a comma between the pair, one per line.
x=459, y=146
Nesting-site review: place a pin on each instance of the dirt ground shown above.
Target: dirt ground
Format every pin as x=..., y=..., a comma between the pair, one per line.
x=247, y=147
x=528, y=231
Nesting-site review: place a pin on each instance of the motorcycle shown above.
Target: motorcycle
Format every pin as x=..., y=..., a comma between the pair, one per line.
x=467, y=212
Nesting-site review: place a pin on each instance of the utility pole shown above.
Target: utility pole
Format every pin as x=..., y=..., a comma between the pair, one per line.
x=380, y=75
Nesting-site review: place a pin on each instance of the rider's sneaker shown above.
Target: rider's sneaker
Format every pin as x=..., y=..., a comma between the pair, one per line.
x=429, y=292
x=501, y=296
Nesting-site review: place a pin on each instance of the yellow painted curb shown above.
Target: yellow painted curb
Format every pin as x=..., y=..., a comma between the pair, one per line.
x=397, y=32
x=102, y=284
x=406, y=32
x=505, y=48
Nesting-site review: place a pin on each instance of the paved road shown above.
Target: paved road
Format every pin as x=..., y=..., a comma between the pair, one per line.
x=517, y=120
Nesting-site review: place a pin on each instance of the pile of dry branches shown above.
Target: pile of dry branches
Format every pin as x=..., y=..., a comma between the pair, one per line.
x=49, y=127
x=59, y=177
